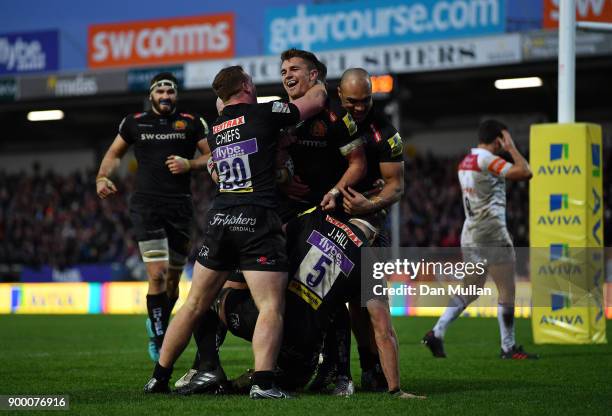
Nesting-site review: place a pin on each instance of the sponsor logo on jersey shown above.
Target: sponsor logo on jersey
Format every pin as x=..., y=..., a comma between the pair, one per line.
x=307, y=295
x=266, y=261
x=351, y=235
x=234, y=320
x=280, y=107
x=160, y=136
x=396, y=145
x=221, y=219
x=228, y=124
x=470, y=162
x=180, y=125
x=246, y=147
x=332, y=251
x=318, y=129
x=332, y=116
x=312, y=143
x=204, y=251
x=376, y=133
x=350, y=124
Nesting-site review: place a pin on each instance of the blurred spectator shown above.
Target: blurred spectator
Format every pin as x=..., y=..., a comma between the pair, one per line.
x=58, y=220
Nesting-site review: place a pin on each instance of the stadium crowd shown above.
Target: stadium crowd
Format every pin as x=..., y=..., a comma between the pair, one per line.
x=47, y=218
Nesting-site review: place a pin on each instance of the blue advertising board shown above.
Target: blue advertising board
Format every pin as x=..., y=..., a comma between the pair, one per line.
x=29, y=52
x=366, y=23
x=360, y=23
x=77, y=273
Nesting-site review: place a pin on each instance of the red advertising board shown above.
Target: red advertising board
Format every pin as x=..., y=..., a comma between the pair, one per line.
x=586, y=10
x=129, y=44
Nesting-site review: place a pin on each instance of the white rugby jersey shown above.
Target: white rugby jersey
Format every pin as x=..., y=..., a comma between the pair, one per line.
x=483, y=185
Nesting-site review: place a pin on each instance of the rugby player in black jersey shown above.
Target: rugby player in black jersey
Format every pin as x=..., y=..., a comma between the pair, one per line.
x=326, y=152
x=324, y=265
x=161, y=211
x=243, y=230
x=382, y=186
x=327, y=155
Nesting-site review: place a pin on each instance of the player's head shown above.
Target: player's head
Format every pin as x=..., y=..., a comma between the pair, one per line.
x=490, y=133
x=355, y=92
x=300, y=70
x=163, y=93
x=233, y=82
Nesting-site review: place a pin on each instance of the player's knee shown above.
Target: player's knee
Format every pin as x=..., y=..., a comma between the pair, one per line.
x=176, y=263
x=157, y=274
x=272, y=308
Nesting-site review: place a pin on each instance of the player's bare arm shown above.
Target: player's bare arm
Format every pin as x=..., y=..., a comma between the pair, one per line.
x=357, y=168
x=312, y=102
x=521, y=171
x=388, y=346
x=179, y=165
x=356, y=203
x=104, y=186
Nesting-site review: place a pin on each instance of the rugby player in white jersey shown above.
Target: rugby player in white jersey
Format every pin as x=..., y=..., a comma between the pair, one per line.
x=485, y=237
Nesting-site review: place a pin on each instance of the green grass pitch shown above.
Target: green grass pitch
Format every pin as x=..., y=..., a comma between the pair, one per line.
x=102, y=364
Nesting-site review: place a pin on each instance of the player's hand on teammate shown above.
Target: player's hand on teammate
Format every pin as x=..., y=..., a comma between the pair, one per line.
x=105, y=187
x=296, y=189
x=178, y=165
x=355, y=203
x=328, y=203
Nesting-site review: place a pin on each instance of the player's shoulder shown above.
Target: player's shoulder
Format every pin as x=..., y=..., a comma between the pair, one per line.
x=378, y=120
x=478, y=159
x=273, y=107
x=133, y=119
x=195, y=119
x=189, y=117
x=469, y=162
x=339, y=118
x=143, y=115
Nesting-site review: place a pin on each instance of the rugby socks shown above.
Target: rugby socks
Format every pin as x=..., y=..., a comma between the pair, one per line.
x=505, y=318
x=367, y=359
x=162, y=373
x=196, y=360
x=455, y=307
x=171, y=303
x=159, y=314
x=263, y=379
x=342, y=324
x=205, y=335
